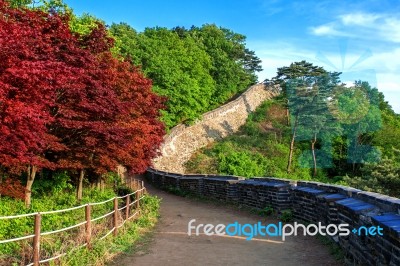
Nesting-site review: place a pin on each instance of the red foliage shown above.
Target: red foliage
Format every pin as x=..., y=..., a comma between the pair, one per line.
x=66, y=102
x=117, y=118
x=97, y=41
x=30, y=72
x=139, y=121
x=12, y=188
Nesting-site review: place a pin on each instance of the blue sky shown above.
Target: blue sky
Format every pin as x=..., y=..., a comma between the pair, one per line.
x=359, y=38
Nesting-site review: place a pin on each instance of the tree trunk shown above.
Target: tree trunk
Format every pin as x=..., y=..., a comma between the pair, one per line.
x=102, y=184
x=32, y=169
x=313, y=154
x=340, y=157
x=287, y=112
x=292, y=145
x=287, y=116
x=80, y=185
x=355, y=152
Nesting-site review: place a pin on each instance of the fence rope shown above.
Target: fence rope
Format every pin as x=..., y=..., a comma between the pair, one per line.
x=133, y=215
x=120, y=209
x=60, y=255
x=102, y=202
x=62, y=229
x=16, y=239
x=76, y=225
x=122, y=197
x=53, y=258
x=109, y=232
x=119, y=226
x=103, y=216
x=63, y=210
x=57, y=211
x=17, y=216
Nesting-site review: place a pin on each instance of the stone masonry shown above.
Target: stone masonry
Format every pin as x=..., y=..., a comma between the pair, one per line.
x=183, y=140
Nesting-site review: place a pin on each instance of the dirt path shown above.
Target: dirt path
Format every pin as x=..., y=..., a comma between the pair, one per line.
x=172, y=245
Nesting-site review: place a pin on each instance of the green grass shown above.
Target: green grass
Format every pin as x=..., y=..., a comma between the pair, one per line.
x=132, y=237
x=21, y=252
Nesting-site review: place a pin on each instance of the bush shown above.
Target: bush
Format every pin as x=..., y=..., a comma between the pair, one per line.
x=242, y=163
x=382, y=177
x=267, y=211
x=286, y=216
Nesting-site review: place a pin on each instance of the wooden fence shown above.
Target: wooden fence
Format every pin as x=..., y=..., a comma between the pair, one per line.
x=128, y=211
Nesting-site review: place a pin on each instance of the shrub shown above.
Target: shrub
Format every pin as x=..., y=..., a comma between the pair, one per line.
x=286, y=216
x=266, y=211
x=12, y=188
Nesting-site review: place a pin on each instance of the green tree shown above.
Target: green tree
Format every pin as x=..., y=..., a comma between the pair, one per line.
x=19, y=3
x=316, y=123
x=387, y=137
x=234, y=66
x=298, y=70
x=357, y=109
x=178, y=67
x=126, y=42
x=84, y=24
x=299, y=83
x=197, y=69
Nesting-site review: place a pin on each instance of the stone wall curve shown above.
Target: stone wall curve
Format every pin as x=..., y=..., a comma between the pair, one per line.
x=182, y=141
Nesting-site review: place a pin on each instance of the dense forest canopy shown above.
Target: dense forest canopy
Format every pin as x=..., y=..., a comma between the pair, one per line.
x=197, y=69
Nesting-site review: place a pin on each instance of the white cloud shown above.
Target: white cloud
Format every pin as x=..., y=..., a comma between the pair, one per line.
x=361, y=25
x=277, y=54
x=361, y=19
x=380, y=69
x=326, y=29
x=390, y=30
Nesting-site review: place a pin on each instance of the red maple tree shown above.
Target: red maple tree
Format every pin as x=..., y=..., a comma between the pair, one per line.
x=30, y=72
x=65, y=102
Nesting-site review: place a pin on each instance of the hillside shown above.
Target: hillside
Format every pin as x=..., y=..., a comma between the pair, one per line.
x=261, y=148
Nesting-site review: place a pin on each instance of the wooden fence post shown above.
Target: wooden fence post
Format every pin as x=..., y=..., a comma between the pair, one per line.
x=137, y=194
x=88, y=226
x=36, y=240
x=144, y=192
x=115, y=216
x=128, y=200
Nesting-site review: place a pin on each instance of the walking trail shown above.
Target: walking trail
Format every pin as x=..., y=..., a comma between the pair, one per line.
x=171, y=244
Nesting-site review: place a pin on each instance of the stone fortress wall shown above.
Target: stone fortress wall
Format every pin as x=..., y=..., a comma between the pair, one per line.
x=183, y=141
